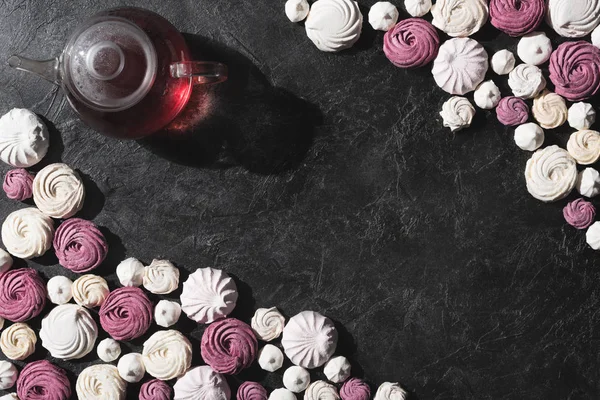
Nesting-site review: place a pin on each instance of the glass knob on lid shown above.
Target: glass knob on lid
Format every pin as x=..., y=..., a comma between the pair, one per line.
x=109, y=64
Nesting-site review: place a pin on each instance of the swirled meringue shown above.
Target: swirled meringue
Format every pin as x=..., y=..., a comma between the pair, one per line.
x=100, y=382
x=10, y=396
x=296, y=379
x=549, y=110
x=309, y=339
x=581, y=116
x=126, y=313
x=588, y=182
x=321, y=390
x=584, y=146
x=17, y=342
x=108, y=350
x=23, y=138
x=131, y=272
x=529, y=137
x=526, y=81
x=338, y=369
x=355, y=389
x=579, y=213
x=573, y=18
x=592, y=236
x=42, y=380
x=251, y=391
x=270, y=358
x=167, y=355
x=460, y=65
x=58, y=191
x=413, y=42
x=457, y=113
x=575, y=70
x=27, y=233
x=167, y=313
x=79, y=245
x=228, y=346
x=534, y=48
x=60, y=289
x=22, y=294
x=267, y=323
x=90, y=290
x=131, y=367
x=208, y=295
x=417, y=8
x=334, y=25
x=161, y=277
x=18, y=184
x=6, y=262
x=296, y=10
x=459, y=18
x=517, y=18
x=155, y=390
x=551, y=174
x=8, y=375
x=282, y=394
x=383, y=15
x=503, y=62
x=68, y=332
x=512, y=111
x=202, y=383
x=390, y=391
x=487, y=95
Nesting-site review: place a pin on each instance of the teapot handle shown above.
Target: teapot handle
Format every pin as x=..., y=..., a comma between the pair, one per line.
x=203, y=72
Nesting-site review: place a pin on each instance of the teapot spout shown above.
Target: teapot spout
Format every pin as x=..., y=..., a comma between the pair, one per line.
x=48, y=69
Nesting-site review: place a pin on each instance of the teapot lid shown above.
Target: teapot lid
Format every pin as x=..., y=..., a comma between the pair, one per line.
x=109, y=63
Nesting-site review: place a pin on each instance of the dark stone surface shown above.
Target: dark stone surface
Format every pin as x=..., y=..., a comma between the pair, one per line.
x=326, y=182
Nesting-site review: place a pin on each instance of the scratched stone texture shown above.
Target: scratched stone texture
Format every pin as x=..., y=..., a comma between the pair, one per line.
x=326, y=182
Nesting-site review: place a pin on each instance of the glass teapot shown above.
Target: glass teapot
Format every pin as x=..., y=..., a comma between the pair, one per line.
x=126, y=71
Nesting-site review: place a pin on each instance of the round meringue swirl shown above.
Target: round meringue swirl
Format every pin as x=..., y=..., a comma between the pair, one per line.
x=334, y=25
x=68, y=332
x=413, y=42
x=355, y=389
x=161, y=277
x=126, y=313
x=229, y=346
x=526, y=81
x=321, y=390
x=251, y=391
x=584, y=146
x=573, y=18
x=79, y=245
x=267, y=323
x=22, y=294
x=167, y=355
x=17, y=342
x=8, y=375
x=42, y=380
x=23, y=138
x=90, y=290
x=551, y=174
x=512, y=111
x=575, y=70
x=550, y=110
x=457, y=113
x=202, y=383
x=459, y=18
x=390, y=391
x=100, y=382
x=58, y=191
x=18, y=184
x=517, y=17
x=460, y=65
x=579, y=213
x=208, y=295
x=309, y=339
x=155, y=390
x=27, y=233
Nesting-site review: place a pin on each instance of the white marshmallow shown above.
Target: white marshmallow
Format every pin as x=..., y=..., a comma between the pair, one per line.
x=59, y=289
x=167, y=313
x=270, y=358
x=581, y=116
x=383, y=16
x=529, y=136
x=296, y=10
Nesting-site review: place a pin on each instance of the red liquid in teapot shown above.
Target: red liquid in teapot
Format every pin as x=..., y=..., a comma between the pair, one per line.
x=167, y=96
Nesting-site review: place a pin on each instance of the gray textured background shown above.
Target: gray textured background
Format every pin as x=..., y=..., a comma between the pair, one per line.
x=441, y=271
